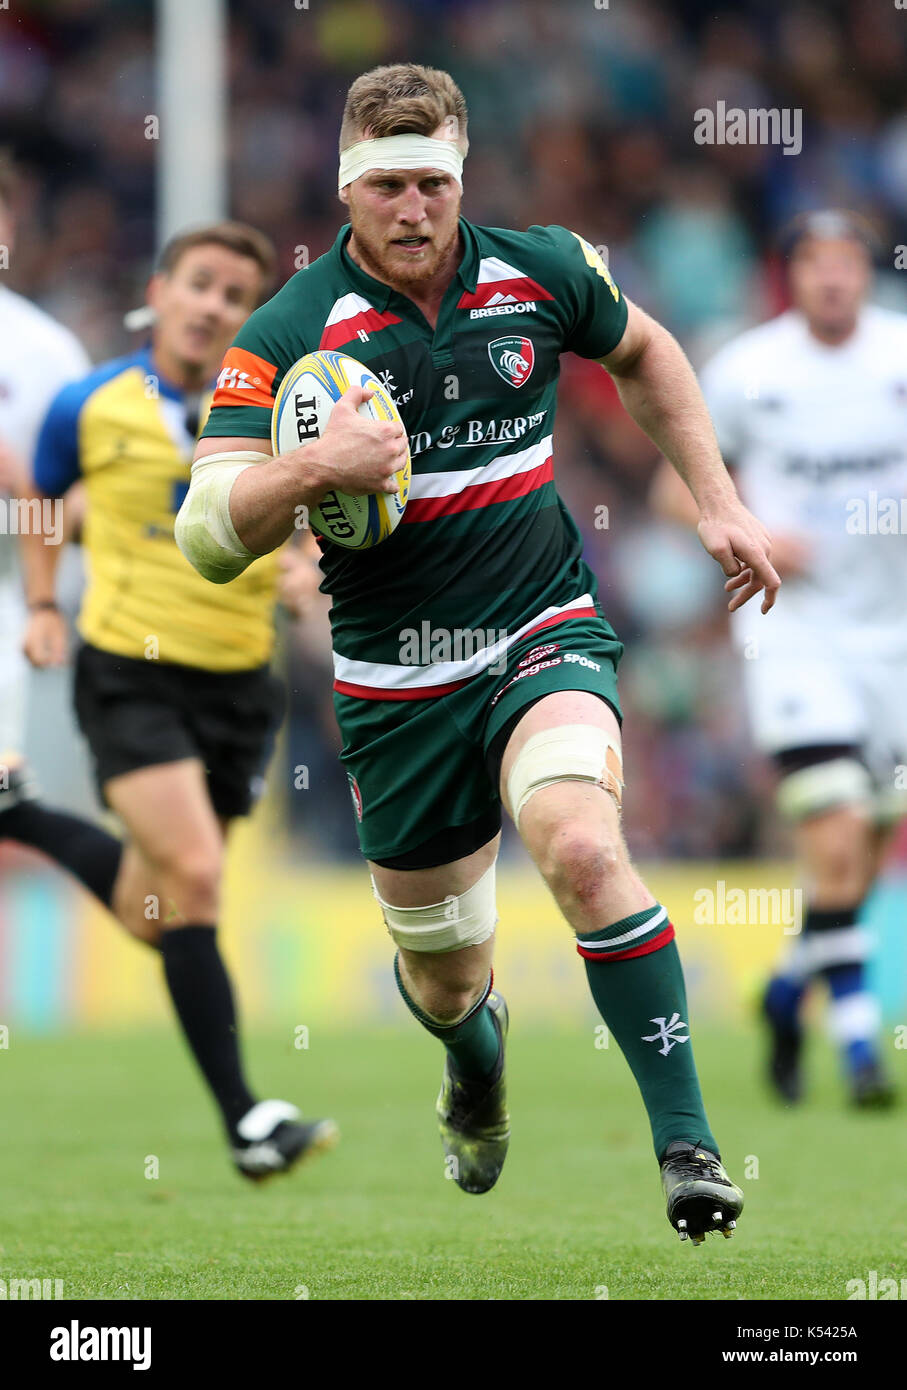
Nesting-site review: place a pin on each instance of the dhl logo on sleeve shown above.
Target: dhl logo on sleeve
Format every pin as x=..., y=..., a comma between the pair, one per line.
x=244, y=379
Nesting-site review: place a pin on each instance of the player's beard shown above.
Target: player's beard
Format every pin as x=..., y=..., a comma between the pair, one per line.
x=394, y=269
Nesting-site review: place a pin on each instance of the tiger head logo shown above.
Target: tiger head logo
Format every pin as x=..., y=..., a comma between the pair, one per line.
x=513, y=359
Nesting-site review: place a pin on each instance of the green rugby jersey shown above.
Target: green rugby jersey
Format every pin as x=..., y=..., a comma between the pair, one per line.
x=486, y=552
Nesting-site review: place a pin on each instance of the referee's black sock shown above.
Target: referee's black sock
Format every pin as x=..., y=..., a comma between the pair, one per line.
x=80, y=846
x=200, y=989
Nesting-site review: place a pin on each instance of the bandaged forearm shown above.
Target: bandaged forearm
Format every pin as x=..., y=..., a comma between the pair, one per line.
x=204, y=529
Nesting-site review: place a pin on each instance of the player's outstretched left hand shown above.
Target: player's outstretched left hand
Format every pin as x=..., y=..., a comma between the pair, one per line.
x=742, y=547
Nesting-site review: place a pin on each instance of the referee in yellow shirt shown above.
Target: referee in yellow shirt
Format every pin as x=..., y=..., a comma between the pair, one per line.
x=173, y=688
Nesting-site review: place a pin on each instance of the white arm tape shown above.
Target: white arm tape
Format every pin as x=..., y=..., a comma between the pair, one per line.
x=204, y=529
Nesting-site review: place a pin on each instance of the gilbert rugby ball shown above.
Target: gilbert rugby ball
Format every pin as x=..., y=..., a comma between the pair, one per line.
x=307, y=395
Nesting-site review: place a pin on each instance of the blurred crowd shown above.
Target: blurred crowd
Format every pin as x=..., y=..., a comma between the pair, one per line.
x=581, y=113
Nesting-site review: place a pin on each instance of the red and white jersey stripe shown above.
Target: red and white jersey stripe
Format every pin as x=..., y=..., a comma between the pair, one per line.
x=349, y=315
x=374, y=680
x=504, y=478
x=497, y=281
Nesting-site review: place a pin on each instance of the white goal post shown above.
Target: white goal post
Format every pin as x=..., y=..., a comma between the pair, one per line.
x=192, y=152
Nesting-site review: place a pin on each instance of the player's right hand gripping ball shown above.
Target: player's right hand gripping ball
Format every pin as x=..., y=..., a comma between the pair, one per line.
x=307, y=395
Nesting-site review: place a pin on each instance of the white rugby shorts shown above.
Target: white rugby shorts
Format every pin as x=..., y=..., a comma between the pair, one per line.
x=803, y=694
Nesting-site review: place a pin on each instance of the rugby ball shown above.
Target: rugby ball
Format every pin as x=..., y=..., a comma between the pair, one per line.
x=307, y=395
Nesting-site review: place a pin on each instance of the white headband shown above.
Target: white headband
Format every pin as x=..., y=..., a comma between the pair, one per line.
x=400, y=152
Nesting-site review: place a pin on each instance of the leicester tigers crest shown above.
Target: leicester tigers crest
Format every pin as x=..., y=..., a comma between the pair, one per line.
x=512, y=359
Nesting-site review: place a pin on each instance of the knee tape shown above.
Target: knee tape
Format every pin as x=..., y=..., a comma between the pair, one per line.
x=461, y=920
x=570, y=753
x=821, y=787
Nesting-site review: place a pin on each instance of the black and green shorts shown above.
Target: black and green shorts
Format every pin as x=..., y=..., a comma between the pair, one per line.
x=424, y=774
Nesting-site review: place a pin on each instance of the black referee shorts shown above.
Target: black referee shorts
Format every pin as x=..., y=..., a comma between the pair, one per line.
x=142, y=713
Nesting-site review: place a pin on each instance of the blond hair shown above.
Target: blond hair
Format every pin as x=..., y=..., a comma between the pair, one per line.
x=403, y=98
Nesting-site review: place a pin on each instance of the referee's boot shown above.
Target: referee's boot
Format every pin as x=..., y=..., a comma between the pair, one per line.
x=272, y=1138
x=473, y=1118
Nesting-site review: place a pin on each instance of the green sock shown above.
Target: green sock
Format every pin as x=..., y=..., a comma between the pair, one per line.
x=642, y=999
x=473, y=1044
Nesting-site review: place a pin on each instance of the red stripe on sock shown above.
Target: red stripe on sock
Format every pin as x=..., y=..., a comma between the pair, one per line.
x=645, y=949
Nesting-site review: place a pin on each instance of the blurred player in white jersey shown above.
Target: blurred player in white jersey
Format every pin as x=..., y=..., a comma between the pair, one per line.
x=37, y=357
x=810, y=409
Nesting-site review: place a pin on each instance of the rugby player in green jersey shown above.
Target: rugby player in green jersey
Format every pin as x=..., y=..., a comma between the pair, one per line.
x=465, y=326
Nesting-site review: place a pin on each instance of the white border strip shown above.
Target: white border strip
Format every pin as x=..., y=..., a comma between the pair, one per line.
x=379, y=676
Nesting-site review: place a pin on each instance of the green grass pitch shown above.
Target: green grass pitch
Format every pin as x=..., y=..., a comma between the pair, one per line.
x=578, y=1212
